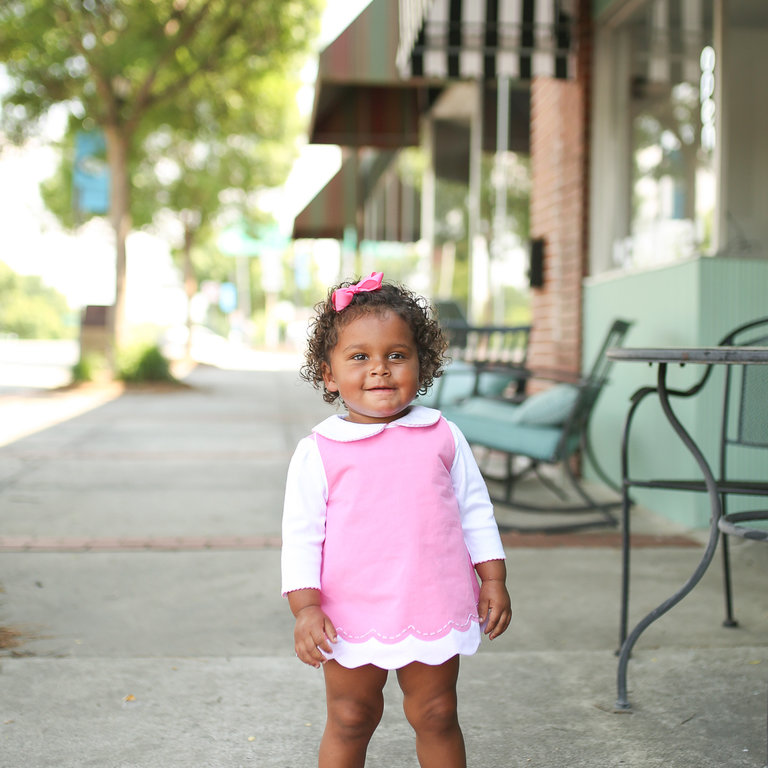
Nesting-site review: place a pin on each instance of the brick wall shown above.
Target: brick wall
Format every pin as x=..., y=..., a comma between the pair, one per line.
x=559, y=213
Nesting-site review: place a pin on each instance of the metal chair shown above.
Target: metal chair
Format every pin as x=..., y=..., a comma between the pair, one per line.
x=751, y=429
x=746, y=388
x=743, y=429
x=544, y=428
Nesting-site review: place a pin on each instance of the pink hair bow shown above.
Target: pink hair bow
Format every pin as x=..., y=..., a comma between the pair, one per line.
x=342, y=297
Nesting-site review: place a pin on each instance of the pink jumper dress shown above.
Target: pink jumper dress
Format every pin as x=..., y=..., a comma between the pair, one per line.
x=394, y=560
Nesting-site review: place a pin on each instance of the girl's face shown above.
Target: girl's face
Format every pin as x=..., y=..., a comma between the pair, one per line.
x=374, y=367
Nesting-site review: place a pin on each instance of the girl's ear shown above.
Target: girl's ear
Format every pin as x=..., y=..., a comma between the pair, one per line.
x=328, y=380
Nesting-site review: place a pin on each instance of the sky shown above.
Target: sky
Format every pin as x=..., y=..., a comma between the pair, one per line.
x=32, y=241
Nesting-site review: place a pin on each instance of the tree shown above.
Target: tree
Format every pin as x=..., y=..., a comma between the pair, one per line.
x=213, y=166
x=204, y=168
x=129, y=66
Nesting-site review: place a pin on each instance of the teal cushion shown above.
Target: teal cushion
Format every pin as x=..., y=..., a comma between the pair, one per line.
x=458, y=383
x=550, y=408
x=494, y=424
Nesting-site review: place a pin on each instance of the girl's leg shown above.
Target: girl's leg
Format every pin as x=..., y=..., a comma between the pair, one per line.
x=355, y=703
x=430, y=706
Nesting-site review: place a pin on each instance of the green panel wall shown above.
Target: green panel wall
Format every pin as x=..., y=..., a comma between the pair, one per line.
x=689, y=303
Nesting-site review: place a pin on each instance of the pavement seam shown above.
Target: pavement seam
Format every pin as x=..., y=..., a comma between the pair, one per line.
x=120, y=544
x=198, y=543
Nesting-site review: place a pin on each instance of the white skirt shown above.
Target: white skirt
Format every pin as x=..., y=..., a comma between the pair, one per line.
x=404, y=652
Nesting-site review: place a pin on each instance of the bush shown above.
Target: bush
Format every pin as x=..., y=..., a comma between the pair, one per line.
x=144, y=364
x=84, y=369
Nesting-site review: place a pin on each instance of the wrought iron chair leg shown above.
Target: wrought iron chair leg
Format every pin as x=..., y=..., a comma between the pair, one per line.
x=626, y=505
x=576, y=484
x=588, y=451
x=729, y=621
x=589, y=501
x=547, y=483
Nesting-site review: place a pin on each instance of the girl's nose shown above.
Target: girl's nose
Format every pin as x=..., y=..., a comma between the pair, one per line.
x=380, y=368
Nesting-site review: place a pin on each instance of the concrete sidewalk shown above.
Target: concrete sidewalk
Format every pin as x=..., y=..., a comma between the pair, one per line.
x=139, y=593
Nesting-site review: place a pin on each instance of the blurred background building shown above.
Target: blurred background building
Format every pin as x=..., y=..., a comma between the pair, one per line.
x=640, y=124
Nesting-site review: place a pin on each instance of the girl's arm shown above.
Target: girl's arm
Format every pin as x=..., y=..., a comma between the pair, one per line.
x=481, y=535
x=478, y=523
x=303, y=537
x=314, y=631
x=303, y=526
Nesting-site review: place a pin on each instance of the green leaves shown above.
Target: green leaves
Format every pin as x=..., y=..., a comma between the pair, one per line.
x=195, y=97
x=120, y=60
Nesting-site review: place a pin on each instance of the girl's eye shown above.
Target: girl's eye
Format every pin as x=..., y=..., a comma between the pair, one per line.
x=359, y=356
x=396, y=356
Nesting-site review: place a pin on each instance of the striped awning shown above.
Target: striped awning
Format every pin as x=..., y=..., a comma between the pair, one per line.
x=463, y=39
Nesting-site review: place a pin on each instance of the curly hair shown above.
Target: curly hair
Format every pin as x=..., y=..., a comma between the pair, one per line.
x=415, y=310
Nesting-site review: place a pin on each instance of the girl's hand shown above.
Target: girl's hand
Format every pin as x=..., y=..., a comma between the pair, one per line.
x=313, y=633
x=494, y=606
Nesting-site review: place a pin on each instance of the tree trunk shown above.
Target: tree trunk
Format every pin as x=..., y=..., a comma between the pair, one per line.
x=120, y=216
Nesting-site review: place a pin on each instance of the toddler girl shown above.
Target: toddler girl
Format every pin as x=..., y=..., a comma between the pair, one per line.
x=387, y=526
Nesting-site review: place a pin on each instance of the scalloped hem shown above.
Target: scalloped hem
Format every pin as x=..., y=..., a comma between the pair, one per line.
x=406, y=651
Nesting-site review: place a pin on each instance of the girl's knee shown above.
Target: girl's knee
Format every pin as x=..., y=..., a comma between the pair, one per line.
x=355, y=719
x=437, y=714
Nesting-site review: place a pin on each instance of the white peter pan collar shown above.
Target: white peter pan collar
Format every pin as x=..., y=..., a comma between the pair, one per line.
x=337, y=427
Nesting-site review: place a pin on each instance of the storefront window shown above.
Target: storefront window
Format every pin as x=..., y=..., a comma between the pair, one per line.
x=672, y=133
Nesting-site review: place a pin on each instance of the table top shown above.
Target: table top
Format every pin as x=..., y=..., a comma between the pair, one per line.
x=683, y=355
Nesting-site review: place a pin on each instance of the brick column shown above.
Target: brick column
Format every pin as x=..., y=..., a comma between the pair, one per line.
x=559, y=207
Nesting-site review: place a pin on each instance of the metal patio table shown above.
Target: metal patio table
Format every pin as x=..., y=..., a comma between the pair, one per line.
x=663, y=357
